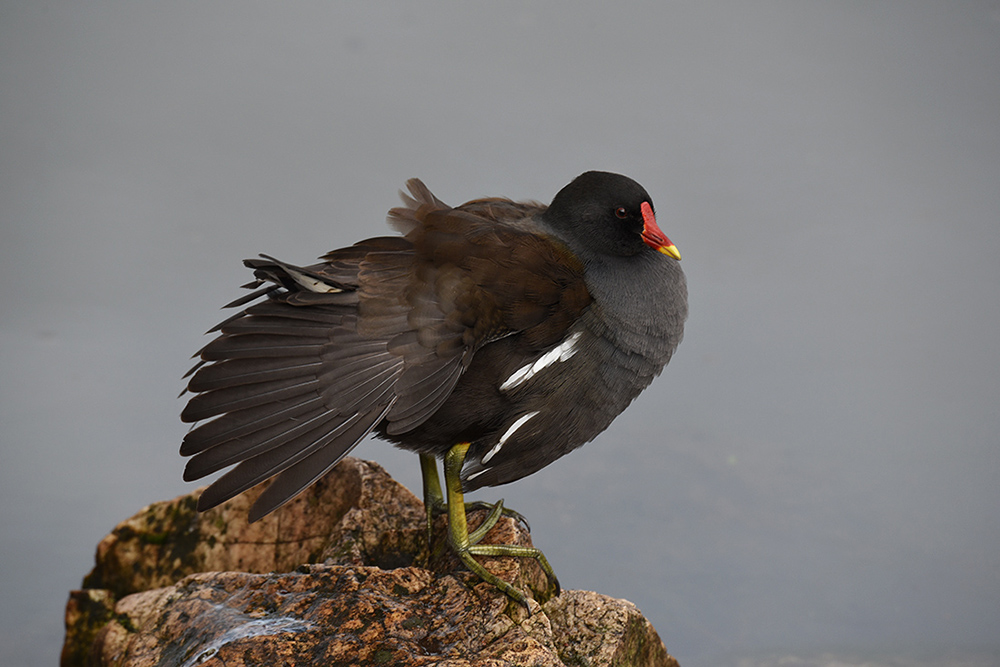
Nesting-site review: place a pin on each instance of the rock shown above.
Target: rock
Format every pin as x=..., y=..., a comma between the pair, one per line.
x=340, y=575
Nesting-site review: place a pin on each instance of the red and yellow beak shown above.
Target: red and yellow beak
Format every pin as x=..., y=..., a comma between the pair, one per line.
x=652, y=235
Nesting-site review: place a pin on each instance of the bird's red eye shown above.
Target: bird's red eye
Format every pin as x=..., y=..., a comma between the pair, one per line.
x=621, y=212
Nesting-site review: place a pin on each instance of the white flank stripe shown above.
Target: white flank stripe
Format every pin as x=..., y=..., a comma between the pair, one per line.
x=503, y=438
x=560, y=352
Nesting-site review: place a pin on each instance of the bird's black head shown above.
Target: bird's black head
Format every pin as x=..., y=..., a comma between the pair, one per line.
x=608, y=214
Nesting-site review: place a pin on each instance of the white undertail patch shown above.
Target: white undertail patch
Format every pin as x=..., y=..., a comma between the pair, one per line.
x=560, y=352
x=518, y=423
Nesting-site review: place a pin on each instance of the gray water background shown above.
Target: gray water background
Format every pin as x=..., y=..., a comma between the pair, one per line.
x=815, y=477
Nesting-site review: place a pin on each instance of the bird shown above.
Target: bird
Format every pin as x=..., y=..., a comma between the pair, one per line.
x=497, y=336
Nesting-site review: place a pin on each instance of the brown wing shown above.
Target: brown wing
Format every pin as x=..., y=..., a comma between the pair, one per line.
x=381, y=330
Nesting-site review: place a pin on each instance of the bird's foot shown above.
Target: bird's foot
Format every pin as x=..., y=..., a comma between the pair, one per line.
x=466, y=544
x=439, y=508
x=466, y=553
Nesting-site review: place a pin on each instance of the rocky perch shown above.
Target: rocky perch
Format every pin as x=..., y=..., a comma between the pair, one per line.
x=342, y=575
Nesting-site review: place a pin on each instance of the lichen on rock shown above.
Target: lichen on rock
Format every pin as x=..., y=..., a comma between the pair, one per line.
x=341, y=575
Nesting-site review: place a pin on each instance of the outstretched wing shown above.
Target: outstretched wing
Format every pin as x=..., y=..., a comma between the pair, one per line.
x=291, y=384
x=377, y=332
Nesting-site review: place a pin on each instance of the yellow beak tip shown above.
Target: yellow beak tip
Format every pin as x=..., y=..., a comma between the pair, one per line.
x=671, y=251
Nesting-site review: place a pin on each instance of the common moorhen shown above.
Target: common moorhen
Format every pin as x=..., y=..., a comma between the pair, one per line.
x=496, y=335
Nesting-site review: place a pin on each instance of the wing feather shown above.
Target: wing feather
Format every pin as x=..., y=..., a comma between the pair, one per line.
x=297, y=477
x=241, y=397
x=252, y=370
x=241, y=423
x=239, y=449
x=256, y=469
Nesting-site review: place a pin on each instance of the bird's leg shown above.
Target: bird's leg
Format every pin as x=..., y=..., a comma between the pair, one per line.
x=466, y=545
x=434, y=504
x=434, y=498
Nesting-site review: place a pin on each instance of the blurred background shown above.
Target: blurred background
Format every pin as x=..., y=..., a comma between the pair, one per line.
x=813, y=480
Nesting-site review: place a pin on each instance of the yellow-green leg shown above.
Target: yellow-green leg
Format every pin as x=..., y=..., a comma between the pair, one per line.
x=465, y=544
x=434, y=500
